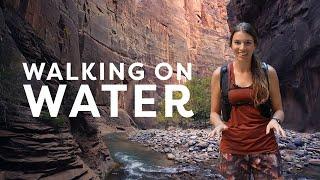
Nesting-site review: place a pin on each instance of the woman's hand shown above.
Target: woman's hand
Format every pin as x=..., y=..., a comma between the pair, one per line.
x=273, y=124
x=217, y=130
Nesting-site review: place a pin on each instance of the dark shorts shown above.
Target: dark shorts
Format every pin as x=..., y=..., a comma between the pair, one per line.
x=257, y=166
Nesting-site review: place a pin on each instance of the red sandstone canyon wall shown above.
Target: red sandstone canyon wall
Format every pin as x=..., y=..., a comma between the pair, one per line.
x=93, y=31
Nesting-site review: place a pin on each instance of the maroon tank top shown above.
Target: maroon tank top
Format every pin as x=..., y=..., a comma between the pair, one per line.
x=246, y=133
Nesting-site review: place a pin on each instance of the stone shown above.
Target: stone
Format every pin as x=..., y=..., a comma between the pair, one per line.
x=315, y=162
x=291, y=145
x=317, y=135
x=288, y=157
x=167, y=150
x=203, y=144
x=281, y=146
x=298, y=142
x=191, y=143
x=191, y=149
x=199, y=134
x=300, y=152
x=170, y=156
x=193, y=137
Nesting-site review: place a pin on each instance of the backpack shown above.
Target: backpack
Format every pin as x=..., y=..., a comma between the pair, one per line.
x=265, y=108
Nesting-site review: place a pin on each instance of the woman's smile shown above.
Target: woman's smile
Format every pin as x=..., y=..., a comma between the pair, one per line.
x=243, y=53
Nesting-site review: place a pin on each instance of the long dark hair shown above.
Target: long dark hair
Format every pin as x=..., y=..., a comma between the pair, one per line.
x=260, y=82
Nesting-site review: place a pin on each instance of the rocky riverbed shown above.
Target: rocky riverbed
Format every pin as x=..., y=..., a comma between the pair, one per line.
x=299, y=151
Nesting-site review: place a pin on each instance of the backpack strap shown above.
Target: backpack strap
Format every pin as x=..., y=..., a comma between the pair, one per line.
x=266, y=108
x=224, y=77
x=224, y=88
x=265, y=70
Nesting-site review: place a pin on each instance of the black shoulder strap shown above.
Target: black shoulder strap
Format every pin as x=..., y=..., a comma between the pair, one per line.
x=224, y=80
x=224, y=87
x=266, y=108
x=265, y=69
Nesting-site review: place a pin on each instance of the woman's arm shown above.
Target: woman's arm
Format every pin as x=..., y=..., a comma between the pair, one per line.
x=275, y=94
x=276, y=102
x=215, y=104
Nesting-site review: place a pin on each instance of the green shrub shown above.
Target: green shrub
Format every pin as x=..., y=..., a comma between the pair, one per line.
x=200, y=98
x=55, y=122
x=199, y=103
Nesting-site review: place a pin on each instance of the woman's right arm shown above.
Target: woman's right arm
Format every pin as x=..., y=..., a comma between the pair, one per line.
x=215, y=104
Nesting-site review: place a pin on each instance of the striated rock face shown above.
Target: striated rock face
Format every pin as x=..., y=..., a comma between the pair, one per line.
x=126, y=32
x=131, y=31
x=33, y=148
x=30, y=149
x=109, y=31
x=152, y=32
x=289, y=41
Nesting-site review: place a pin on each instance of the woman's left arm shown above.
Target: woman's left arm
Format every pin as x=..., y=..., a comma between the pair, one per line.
x=275, y=95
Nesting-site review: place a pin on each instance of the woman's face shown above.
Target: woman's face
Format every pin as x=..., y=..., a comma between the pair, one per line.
x=243, y=45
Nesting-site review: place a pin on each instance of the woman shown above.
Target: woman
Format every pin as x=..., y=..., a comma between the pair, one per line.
x=248, y=145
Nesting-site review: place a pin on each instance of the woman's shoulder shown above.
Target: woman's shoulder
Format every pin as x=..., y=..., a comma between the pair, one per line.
x=272, y=73
x=216, y=72
x=271, y=70
x=215, y=79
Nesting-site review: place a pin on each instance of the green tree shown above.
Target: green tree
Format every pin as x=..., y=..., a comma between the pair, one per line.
x=199, y=103
x=199, y=99
x=176, y=118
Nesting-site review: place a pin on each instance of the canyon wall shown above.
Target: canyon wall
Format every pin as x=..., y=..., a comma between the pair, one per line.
x=131, y=31
x=145, y=31
x=96, y=31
